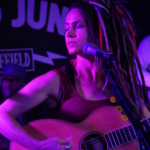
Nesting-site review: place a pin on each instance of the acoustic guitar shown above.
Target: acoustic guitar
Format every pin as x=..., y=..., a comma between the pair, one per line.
x=102, y=130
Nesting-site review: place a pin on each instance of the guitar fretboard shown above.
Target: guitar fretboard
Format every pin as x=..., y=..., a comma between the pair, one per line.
x=124, y=135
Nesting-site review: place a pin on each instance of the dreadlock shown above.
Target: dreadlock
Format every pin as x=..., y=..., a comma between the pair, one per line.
x=112, y=29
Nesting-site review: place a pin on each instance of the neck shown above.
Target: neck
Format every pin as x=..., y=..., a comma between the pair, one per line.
x=86, y=68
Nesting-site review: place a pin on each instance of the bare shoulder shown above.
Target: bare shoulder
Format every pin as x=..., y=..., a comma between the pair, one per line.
x=49, y=77
x=50, y=83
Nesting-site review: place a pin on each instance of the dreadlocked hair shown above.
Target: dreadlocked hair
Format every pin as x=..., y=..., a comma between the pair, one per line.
x=112, y=29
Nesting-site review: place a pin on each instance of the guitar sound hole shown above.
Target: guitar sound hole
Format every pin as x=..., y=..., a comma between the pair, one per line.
x=93, y=141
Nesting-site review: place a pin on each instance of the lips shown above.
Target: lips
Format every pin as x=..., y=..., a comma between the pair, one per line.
x=72, y=42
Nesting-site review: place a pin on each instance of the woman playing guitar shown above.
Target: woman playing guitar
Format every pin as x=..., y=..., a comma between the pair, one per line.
x=73, y=95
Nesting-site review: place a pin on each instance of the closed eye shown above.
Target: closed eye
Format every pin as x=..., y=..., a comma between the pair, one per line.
x=76, y=25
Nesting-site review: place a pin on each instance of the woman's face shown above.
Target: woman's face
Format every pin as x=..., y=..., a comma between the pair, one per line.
x=76, y=32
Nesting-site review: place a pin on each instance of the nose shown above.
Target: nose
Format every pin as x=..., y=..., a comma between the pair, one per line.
x=71, y=32
x=8, y=83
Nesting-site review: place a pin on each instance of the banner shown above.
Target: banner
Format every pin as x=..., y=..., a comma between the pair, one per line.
x=32, y=34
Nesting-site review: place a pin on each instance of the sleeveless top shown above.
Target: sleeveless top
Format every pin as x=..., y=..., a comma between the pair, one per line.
x=72, y=107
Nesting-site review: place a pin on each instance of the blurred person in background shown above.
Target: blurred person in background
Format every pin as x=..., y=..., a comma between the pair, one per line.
x=13, y=78
x=143, y=53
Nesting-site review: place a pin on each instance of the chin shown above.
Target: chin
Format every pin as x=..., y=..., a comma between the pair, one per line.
x=74, y=51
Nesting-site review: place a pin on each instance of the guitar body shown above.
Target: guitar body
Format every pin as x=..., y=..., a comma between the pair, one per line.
x=100, y=122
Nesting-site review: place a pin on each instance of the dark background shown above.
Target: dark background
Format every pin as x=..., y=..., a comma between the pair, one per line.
x=42, y=41
x=140, y=11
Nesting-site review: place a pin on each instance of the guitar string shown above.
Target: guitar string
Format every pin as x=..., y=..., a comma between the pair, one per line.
x=96, y=141
x=102, y=139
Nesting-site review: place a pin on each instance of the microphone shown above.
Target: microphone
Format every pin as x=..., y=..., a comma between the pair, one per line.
x=91, y=49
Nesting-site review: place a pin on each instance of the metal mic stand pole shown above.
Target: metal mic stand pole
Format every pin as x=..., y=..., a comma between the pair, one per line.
x=127, y=107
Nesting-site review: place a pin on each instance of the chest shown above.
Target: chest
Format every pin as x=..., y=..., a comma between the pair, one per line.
x=92, y=90
x=75, y=109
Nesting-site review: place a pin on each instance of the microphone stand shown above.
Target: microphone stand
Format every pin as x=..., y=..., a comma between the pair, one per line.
x=127, y=107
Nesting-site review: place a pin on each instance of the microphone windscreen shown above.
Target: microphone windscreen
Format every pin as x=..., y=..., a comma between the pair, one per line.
x=87, y=48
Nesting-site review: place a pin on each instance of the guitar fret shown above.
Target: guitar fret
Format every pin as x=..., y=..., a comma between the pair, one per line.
x=123, y=135
x=120, y=137
x=135, y=132
x=127, y=134
x=112, y=139
x=108, y=140
x=132, y=132
x=115, y=139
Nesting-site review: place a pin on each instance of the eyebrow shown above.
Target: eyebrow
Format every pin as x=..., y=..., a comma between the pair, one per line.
x=75, y=21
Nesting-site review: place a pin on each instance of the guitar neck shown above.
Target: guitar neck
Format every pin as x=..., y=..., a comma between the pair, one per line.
x=123, y=135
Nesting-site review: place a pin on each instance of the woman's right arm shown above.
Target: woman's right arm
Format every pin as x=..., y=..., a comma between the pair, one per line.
x=28, y=97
